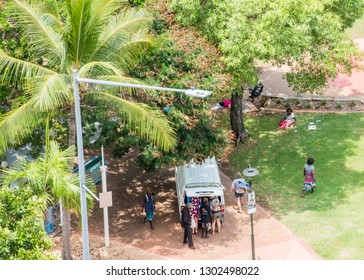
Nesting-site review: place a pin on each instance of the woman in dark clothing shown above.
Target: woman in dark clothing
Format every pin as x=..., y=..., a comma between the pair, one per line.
x=148, y=206
x=186, y=224
x=205, y=214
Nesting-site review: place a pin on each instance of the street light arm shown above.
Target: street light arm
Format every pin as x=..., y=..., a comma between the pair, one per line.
x=191, y=92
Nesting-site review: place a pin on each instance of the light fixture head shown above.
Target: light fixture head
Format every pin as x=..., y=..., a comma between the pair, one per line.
x=197, y=92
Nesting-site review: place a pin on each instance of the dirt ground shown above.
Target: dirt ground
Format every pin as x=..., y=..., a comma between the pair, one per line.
x=130, y=238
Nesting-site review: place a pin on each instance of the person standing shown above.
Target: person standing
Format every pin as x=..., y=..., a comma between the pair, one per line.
x=186, y=224
x=196, y=201
x=148, y=206
x=309, y=173
x=205, y=213
x=215, y=205
x=239, y=187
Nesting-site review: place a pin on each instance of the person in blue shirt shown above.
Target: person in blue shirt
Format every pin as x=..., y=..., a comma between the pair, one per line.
x=148, y=206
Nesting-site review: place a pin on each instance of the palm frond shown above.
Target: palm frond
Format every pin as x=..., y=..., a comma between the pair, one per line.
x=23, y=172
x=118, y=32
x=16, y=124
x=42, y=38
x=148, y=122
x=18, y=69
x=62, y=183
x=50, y=91
x=130, y=52
x=51, y=9
x=99, y=68
x=83, y=34
x=102, y=10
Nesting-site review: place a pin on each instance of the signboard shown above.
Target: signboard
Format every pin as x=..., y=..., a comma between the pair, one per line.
x=251, y=202
x=105, y=199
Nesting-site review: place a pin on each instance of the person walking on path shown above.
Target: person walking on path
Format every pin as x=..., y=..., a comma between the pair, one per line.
x=186, y=224
x=148, y=206
x=205, y=213
x=239, y=187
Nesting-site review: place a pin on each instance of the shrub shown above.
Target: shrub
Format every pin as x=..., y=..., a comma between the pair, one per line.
x=339, y=106
x=352, y=104
x=323, y=103
x=309, y=105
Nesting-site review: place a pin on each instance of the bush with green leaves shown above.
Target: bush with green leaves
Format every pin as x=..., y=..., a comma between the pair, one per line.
x=22, y=234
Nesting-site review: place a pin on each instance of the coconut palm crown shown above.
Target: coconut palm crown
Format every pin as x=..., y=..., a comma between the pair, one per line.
x=96, y=38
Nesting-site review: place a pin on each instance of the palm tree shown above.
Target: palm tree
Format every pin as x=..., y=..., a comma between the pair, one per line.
x=49, y=176
x=92, y=37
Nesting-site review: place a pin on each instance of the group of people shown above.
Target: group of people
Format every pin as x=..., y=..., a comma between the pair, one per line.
x=208, y=210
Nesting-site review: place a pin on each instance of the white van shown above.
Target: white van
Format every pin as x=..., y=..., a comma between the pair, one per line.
x=199, y=180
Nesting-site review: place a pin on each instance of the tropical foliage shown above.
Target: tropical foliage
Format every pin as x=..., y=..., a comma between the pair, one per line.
x=84, y=35
x=307, y=35
x=22, y=234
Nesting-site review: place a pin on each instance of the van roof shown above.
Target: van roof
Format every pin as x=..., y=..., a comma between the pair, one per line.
x=192, y=173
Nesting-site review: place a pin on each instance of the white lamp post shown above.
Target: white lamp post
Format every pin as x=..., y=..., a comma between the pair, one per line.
x=81, y=162
x=251, y=172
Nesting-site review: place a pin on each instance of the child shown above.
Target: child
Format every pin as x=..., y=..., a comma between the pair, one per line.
x=309, y=173
x=289, y=119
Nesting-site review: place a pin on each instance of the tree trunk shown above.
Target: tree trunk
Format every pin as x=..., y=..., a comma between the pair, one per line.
x=66, y=225
x=66, y=234
x=236, y=117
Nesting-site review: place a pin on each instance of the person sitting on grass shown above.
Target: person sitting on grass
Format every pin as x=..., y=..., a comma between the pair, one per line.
x=289, y=120
x=256, y=91
x=223, y=104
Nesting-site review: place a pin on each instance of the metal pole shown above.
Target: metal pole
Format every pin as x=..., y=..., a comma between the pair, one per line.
x=251, y=222
x=252, y=236
x=105, y=210
x=81, y=168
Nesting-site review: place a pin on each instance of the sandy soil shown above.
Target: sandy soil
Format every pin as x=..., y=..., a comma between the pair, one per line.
x=130, y=238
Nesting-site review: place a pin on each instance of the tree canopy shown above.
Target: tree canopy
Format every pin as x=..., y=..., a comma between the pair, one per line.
x=307, y=35
x=100, y=39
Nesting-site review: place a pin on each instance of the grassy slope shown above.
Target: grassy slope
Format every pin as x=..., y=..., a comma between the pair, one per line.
x=330, y=220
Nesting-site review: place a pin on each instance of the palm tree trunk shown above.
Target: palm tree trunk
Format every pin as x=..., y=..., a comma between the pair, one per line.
x=66, y=225
x=236, y=117
x=66, y=234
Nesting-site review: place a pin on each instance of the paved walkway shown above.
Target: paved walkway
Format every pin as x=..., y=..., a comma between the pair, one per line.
x=273, y=240
x=344, y=87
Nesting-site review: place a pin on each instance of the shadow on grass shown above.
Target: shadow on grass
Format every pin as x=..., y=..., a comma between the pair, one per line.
x=280, y=156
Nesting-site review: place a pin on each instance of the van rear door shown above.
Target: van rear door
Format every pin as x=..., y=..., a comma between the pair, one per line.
x=203, y=192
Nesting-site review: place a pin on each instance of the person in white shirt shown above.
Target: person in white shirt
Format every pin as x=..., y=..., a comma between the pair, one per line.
x=239, y=186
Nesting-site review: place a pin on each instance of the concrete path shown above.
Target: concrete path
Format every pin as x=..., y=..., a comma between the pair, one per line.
x=343, y=87
x=273, y=240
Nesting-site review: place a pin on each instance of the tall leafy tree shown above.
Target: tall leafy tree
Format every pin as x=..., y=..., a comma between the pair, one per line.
x=97, y=38
x=307, y=35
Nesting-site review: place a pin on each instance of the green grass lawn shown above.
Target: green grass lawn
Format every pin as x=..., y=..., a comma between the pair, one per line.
x=332, y=219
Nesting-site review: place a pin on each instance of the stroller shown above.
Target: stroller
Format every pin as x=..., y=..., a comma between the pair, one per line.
x=308, y=186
